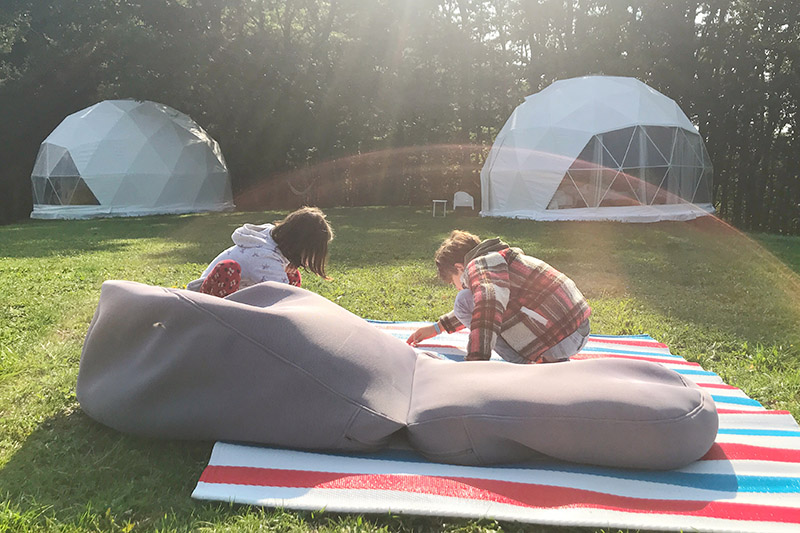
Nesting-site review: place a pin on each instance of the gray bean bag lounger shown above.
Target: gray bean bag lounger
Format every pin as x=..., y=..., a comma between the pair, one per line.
x=278, y=365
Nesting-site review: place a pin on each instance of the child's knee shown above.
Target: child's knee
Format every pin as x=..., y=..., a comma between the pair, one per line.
x=569, y=346
x=224, y=279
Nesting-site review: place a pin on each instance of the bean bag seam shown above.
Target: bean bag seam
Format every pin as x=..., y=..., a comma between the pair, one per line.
x=472, y=446
x=442, y=455
x=343, y=437
x=690, y=414
x=411, y=392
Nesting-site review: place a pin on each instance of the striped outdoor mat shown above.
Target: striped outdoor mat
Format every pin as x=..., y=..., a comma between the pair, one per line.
x=748, y=482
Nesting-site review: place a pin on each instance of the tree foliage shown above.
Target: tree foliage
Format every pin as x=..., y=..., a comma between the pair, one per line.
x=345, y=102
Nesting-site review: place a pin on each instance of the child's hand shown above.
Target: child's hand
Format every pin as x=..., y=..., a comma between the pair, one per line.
x=293, y=273
x=425, y=332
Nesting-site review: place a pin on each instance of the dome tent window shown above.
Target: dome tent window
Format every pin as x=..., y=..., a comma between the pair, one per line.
x=62, y=190
x=644, y=165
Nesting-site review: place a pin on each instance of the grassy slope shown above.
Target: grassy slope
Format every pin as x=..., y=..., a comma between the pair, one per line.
x=712, y=294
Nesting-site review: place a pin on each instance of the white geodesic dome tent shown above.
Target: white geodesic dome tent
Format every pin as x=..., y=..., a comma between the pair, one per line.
x=597, y=148
x=128, y=158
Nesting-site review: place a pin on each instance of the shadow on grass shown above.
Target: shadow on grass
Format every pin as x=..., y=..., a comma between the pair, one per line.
x=40, y=238
x=80, y=474
x=70, y=462
x=371, y=235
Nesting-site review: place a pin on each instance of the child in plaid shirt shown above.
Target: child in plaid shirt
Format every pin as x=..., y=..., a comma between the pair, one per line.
x=524, y=309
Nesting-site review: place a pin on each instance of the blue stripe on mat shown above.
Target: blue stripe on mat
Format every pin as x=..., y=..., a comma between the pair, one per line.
x=717, y=482
x=640, y=336
x=630, y=352
x=689, y=372
x=735, y=399
x=763, y=432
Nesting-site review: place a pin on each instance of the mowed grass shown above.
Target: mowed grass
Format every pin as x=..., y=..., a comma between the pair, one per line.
x=727, y=300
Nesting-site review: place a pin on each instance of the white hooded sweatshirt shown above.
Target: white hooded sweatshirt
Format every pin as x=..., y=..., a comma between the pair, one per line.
x=256, y=252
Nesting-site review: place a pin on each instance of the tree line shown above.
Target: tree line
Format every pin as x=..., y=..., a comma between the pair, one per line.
x=346, y=102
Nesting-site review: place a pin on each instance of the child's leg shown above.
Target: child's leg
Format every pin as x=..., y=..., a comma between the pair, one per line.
x=507, y=352
x=223, y=279
x=567, y=347
x=463, y=307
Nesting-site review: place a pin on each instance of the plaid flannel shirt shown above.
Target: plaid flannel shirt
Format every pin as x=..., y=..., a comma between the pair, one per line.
x=531, y=304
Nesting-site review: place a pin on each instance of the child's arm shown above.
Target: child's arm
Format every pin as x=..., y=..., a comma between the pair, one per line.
x=258, y=267
x=425, y=332
x=447, y=323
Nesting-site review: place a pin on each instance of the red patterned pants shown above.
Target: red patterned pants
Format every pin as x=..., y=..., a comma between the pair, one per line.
x=223, y=280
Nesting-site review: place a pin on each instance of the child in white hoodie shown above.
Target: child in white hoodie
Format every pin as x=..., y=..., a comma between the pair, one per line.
x=270, y=252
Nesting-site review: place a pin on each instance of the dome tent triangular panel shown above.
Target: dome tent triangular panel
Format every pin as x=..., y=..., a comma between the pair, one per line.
x=49, y=193
x=39, y=184
x=65, y=166
x=48, y=157
x=65, y=187
x=627, y=150
x=163, y=139
x=122, y=156
x=213, y=187
x=192, y=162
x=147, y=160
x=518, y=195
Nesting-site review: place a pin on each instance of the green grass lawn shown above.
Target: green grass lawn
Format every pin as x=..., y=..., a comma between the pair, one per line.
x=727, y=300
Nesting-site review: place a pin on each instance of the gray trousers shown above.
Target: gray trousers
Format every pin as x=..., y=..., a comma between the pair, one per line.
x=562, y=351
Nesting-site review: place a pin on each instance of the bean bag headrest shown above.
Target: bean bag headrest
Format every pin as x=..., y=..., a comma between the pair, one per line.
x=271, y=364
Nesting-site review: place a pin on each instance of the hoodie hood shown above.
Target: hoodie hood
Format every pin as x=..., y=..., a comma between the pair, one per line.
x=486, y=247
x=254, y=235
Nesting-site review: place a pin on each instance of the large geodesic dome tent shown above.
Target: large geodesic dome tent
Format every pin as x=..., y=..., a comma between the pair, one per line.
x=128, y=158
x=597, y=148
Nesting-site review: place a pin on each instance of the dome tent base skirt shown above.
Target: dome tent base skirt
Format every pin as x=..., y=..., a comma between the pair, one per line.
x=80, y=212
x=639, y=213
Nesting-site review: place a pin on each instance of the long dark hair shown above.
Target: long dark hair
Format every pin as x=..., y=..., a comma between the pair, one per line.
x=303, y=238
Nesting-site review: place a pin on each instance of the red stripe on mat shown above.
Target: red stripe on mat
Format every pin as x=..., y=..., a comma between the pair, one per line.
x=424, y=345
x=737, y=452
x=397, y=327
x=651, y=344
x=750, y=412
x=717, y=386
x=520, y=494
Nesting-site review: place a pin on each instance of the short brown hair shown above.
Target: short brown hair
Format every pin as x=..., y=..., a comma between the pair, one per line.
x=303, y=238
x=452, y=251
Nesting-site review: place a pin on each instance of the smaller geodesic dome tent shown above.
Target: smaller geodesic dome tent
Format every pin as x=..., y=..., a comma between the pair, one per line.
x=597, y=148
x=128, y=158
